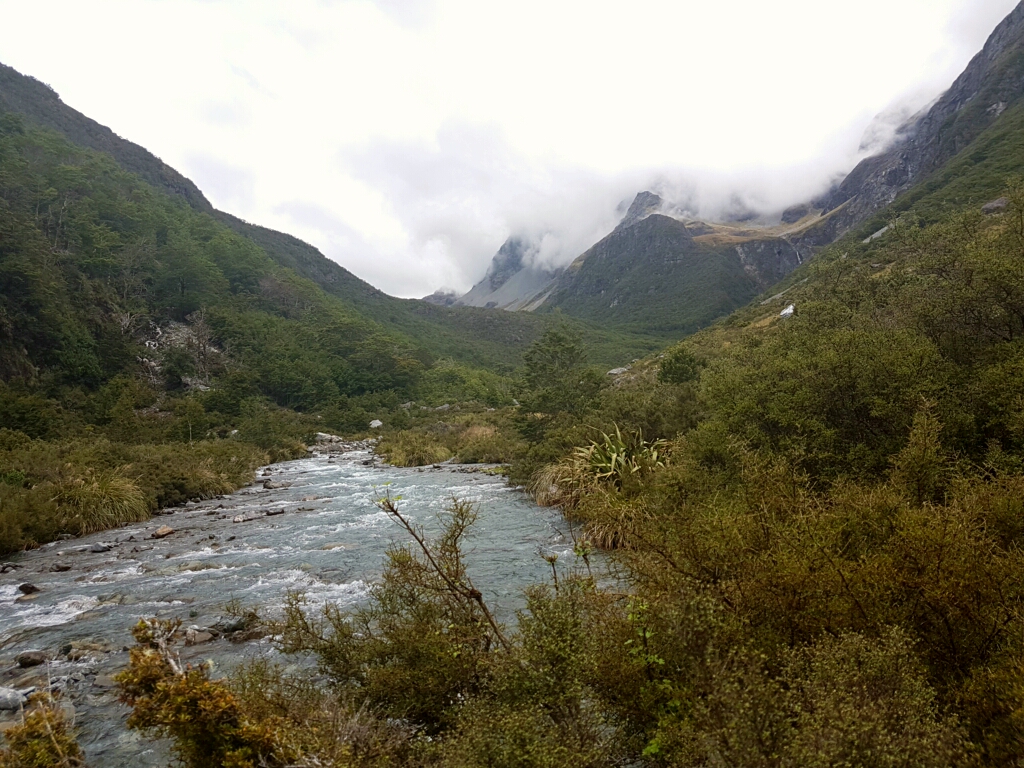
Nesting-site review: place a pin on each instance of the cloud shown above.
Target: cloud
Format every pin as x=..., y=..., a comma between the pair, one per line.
x=233, y=112
x=459, y=197
x=408, y=138
x=228, y=187
x=408, y=13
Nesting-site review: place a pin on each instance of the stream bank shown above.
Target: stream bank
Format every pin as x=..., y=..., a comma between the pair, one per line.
x=309, y=525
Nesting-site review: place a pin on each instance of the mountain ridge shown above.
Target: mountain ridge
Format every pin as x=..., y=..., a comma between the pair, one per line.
x=469, y=334
x=992, y=82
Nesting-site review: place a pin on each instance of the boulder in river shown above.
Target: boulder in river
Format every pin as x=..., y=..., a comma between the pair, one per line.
x=162, y=532
x=59, y=568
x=197, y=636
x=31, y=659
x=11, y=699
x=104, y=681
x=99, y=547
x=28, y=589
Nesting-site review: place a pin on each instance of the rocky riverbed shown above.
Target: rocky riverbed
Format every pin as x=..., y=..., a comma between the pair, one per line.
x=310, y=525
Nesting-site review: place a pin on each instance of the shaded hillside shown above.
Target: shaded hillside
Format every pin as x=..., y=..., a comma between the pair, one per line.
x=652, y=274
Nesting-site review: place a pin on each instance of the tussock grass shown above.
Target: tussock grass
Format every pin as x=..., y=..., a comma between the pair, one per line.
x=83, y=486
x=472, y=438
x=98, y=502
x=413, y=449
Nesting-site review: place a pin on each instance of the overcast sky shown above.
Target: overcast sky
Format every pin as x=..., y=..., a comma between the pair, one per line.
x=408, y=138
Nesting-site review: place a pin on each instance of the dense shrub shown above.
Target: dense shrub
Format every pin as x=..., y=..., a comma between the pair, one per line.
x=42, y=739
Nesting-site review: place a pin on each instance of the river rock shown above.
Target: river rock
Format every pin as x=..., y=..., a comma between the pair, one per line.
x=31, y=659
x=59, y=568
x=197, y=636
x=6, y=567
x=104, y=681
x=162, y=532
x=28, y=589
x=199, y=565
x=99, y=547
x=270, y=485
x=10, y=699
x=228, y=625
x=273, y=512
x=80, y=650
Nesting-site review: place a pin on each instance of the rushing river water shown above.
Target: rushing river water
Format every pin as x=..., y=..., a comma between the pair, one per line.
x=322, y=534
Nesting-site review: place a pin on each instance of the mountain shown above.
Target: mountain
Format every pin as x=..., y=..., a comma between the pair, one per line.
x=643, y=205
x=511, y=283
x=661, y=273
x=654, y=274
x=987, y=96
x=668, y=276
x=467, y=334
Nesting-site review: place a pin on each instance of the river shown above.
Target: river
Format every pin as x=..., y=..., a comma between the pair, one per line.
x=314, y=527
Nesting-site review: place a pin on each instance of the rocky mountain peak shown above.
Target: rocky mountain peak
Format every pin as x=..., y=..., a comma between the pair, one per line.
x=506, y=262
x=442, y=297
x=643, y=205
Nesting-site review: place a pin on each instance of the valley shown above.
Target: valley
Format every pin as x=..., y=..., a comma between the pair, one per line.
x=739, y=492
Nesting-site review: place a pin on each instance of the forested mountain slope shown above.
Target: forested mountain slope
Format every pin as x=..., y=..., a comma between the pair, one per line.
x=653, y=274
x=469, y=335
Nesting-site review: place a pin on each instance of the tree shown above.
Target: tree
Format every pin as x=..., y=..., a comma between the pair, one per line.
x=679, y=366
x=556, y=376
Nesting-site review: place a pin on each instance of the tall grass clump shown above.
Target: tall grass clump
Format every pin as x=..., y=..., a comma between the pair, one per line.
x=97, y=502
x=413, y=449
x=599, y=484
